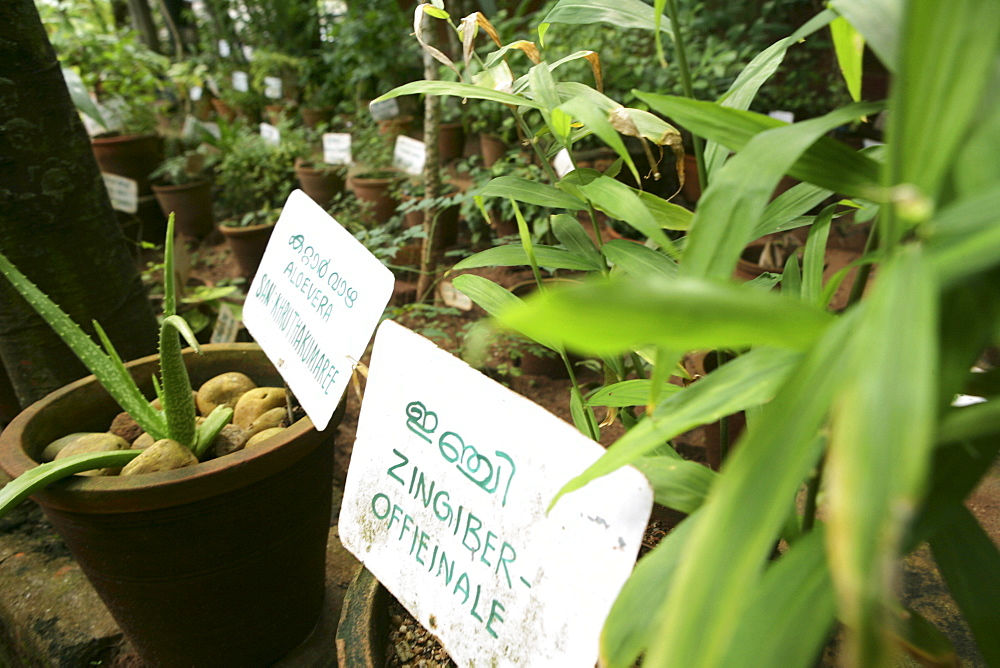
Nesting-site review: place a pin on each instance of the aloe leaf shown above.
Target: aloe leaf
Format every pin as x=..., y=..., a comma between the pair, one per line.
x=143, y=413
x=177, y=396
x=43, y=475
x=208, y=429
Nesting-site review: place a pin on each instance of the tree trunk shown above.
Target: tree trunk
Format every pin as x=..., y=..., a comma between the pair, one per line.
x=56, y=222
x=142, y=21
x=433, y=249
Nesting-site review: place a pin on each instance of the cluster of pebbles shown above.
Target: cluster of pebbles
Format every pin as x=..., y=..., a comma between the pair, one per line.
x=258, y=414
x=411, y=645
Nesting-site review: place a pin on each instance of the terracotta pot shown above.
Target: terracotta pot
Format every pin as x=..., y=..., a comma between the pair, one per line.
x=363, y=630
x=313, y=116
x=492, y=147
x=393, y=127
x=451, y=141
x=446, y=228
x=378, y=193
x=322, y=184
x=131, y=156
x=221, y=563
x=248, y=245
x=191, y=204
x=223, y=110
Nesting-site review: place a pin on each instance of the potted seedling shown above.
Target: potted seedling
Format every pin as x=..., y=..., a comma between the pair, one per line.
x=202, y=561
x=373, y=178
x=182, y=187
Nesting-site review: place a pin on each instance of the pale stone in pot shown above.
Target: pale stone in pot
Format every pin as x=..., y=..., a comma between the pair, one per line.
x=255, y=403
x=263, y=435
x=99, y=442
x=222, y=390
x=52, y=450
x=144, y=441
x=275, y=417
x=231, y=439
x=164, y=455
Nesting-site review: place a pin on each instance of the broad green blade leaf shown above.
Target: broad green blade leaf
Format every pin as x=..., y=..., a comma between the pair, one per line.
x=828, y=163
x=633, y=392
x=632, y=621
x=753, y=76
x=43, y=475
x=795, y=587
x=494, y=299
x=787, y=210
x=970, y=564
x=922, y=640
x=622, y=14
x=457, y=89
x=748, y=380
x=583, y=417
x=976, y=170
x=814, y=257
x=623, y=203
x=938, y=88
x=531, y=192
x=513, y=255
x=752, y=498
x=543, y=90
x=570, y=234
x=880, y=446
x=682, y=314
x=81, y=98
x=637, y=260
x=850, y=47
x=670, y=216
x=964, y=239
x=734, y=202
x=791, y=278
x=596, y=120
x=879, y=22
x=677, y=484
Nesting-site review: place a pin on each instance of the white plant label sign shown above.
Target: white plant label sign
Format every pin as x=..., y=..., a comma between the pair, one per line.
x=409, y=155
x=224, y=49
x=337, y=148
x=786, y=116
x=227, y=325
x=562, y=163
x=241, y=81
x=270, y=133
x=446, y=503
x=314, y=304
x=272, y=87
x=384, y=110
x=452, y=297
x=123, y=192
x=195, y=92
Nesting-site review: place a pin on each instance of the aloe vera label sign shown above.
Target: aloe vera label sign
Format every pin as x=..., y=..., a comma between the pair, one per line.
x=446, y=502
x=314, y=302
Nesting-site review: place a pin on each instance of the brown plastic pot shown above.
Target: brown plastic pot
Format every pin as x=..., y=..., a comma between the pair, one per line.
x=221, y=563
x=248, y=245
x=322, y=184
x=191, y=204
x=131, y=156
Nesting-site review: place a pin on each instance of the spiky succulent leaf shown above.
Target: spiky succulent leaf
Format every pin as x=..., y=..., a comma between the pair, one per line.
x=177, y=397
x=206, y=432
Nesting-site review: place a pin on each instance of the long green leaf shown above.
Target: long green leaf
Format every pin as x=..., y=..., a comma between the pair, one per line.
x=622, y=14
x=570, y=234
x=677, y=484
x=850, y=47
x=746, y=381
x=597, y=122
x=682, y=314
x=964, y=239
x=494, y=299
x=81, y=98
x=734, y=202
x=788, y=208
x=638, y=260
x=814, y=257
x=880, y=445
x=623, y=203
x=457, y=89
x=827, y=163
x=752, y=499
x=633, y=392
x=879, y=22
x=970, y=564
x=531, y=192
x=796, y=587
x=513, y=255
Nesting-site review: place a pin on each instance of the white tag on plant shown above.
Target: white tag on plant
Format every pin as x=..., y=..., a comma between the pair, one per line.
x=452, y=297
x=270, y=133
x=337, y=148
x=224, y=49
x=314, y=303
x=195, y=92
x=446, y=503
x=248, y=52
x=786, y=116
x=123, y=192
x=227, y=325
x=272, y=87
x=384, y=110
x=409, y=155
x=562, y=163
x=241, y=81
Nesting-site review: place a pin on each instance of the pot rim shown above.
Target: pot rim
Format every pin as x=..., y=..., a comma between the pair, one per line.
x=199, y=182
x=165, y=488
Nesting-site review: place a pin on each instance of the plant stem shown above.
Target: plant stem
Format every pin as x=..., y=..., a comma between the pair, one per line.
x=682, y=64
x=812, y=491
x=720, y=359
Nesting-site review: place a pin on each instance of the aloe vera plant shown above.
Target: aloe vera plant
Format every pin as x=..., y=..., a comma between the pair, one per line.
x=176, y=419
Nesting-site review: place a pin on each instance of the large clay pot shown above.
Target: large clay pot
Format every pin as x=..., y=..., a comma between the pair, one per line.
x=191, y=204
x=451, y=141
x=248, y=245
x=378, y=192
x=131, y=156
x=493, y=148
x=363, y=631
x=321, y=184
x=221, y=563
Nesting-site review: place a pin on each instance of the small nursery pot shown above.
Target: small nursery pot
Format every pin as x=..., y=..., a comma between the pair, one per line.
x=221, y=563
x=248, y=245
x=377, y=191
x=132, y=156
x=322, y=184
x=191, y=204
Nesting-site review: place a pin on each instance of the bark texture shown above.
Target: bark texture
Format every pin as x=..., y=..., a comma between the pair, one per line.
x=56, y=223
